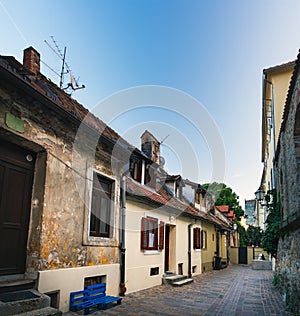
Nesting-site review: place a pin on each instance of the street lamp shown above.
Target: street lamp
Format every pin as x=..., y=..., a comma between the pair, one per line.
x=259, y=194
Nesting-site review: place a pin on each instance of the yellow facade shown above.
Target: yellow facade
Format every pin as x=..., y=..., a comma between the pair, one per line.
x=139, y=262
x=276, y=82
x=209, y=252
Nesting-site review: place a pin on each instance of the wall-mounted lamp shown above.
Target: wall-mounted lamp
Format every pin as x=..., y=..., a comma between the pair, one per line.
x=259, y=194
x=234, y=226
x=264, y=202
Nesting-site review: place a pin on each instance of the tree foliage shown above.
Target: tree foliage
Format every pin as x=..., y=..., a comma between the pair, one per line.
x=225, y=196
x=243, y=236
x=272, y=233
x=254, y=235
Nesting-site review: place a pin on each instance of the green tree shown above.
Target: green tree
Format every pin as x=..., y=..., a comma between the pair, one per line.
x=272, y=233
x=254, y=235
x=225, y=196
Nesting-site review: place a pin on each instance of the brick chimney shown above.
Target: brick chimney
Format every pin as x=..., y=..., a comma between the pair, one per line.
x=150, y=146
x=31, y=60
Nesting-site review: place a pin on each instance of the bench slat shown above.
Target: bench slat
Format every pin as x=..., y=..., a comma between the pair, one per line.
x=92, y=296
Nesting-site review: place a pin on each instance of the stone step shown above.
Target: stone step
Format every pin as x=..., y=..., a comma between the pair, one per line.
x=14, y=303
x=183, y=282
x=170, y=280
x=16, y=285
x=46, y=311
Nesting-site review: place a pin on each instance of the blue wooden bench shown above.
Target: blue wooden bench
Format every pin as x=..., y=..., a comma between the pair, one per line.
x=92, y=299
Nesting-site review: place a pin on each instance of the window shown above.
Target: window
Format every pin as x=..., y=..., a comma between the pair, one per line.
x=152, y=236
x=154, y=271
x=136, y=169
x=101, y=206
x=149, y=177
x=204, y=239
x=197, y=238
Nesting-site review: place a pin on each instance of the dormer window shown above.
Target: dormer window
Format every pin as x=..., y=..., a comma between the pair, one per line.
x=150, y=176
x=136, y=169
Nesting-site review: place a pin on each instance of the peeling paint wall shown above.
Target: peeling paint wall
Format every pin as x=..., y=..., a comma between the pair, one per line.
x=59, y=207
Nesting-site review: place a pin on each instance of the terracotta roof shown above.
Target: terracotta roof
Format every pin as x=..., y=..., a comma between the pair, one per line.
x=223, y=208
x=58, y=97
x=166, y=199
x=279, y=67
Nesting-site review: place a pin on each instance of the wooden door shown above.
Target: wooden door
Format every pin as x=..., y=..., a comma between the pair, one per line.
x=16, y=177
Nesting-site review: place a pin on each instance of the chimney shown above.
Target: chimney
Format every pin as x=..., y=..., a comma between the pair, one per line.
x=31, y=60
x=151, y=146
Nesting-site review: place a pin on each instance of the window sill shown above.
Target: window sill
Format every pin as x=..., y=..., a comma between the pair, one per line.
x=151, y=252
x=100, y=242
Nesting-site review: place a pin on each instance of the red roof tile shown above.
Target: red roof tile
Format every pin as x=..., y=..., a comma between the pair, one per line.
x=223, y=208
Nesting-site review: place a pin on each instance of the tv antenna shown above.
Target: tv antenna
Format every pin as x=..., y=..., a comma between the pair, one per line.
x=65, y=68
x=164, y=138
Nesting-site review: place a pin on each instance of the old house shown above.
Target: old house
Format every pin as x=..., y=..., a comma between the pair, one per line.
x=79, y=205
x=288, y=181
x=275, y=84
x=171, y=224
x=60, y=187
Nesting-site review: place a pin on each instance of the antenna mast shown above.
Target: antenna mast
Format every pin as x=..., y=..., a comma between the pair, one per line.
x=73, y=84
x=62, y=68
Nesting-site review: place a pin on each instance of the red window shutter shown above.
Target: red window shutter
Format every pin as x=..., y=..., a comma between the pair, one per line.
x=144, y=234
x=196, y=238
x=161, y=235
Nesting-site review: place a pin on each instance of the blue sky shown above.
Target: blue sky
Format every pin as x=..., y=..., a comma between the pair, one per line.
x=213, y=51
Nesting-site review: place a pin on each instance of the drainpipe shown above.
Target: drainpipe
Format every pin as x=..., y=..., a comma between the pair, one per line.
x=189, y=251
x=273, y=128
x=122, y=244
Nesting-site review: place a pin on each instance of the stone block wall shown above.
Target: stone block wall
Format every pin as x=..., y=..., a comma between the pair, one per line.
x=287, y=272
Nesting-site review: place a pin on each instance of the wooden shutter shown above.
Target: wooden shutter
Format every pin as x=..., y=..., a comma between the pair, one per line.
x=196, y=238
x=161, y=235
x=144, y=233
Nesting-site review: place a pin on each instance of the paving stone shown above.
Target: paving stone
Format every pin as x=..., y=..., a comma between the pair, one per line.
x=237, y=290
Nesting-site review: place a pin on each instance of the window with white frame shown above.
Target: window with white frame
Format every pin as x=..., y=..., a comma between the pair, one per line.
x=152, y=234
x=101, y=206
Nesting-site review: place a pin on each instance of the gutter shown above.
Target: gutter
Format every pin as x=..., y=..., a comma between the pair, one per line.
x=122, y=243
x=189, y=250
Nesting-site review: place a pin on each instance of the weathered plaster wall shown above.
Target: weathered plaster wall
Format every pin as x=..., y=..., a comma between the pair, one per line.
x=59, y=207
x=288, y=258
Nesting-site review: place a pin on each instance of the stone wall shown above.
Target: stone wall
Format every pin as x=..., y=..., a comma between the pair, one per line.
x=287, y=274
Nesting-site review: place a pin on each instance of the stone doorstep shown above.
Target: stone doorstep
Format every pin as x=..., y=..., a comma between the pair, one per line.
x=15, y=307
x=46, y=311
x=16, y=285
x=178, y=279
x=183, y=282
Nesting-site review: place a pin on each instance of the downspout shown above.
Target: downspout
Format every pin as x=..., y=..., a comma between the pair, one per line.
x=189, y=251
x=122, y=244
x=273, y=128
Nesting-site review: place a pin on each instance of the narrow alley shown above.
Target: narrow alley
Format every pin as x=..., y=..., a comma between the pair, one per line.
x=237, y=290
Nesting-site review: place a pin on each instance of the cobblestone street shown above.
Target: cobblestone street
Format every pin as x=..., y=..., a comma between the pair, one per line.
x=236, y=290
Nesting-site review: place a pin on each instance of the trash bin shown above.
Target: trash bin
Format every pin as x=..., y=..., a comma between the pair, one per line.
x=217, y=262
